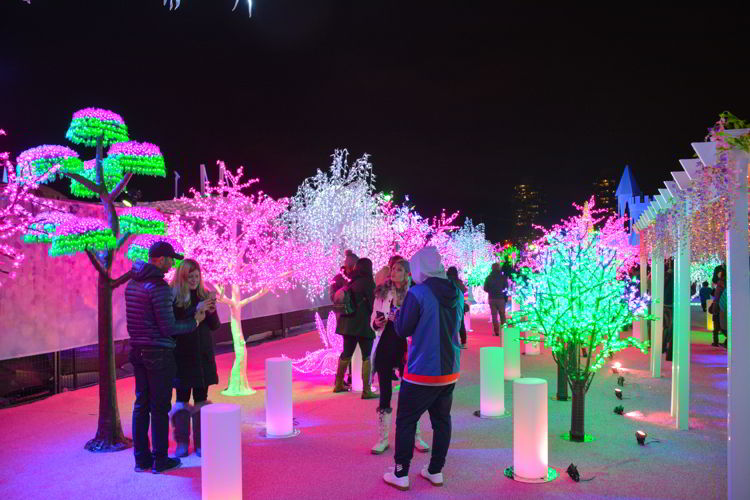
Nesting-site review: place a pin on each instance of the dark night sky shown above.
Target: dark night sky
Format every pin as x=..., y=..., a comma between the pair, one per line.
x=456, y=101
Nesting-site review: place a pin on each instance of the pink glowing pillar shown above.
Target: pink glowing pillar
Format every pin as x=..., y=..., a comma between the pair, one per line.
x=357, y=385
x=530, y=428
x=279, y=397
x=467, y=321
x=221, y=444
x=491, y=382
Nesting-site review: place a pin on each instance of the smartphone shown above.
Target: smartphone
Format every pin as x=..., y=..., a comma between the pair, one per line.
x=379, y=315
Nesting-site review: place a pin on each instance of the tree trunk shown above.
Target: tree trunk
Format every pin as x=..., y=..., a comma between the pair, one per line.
x=238, y=384
x=577, y=416
x=562, y=383
x=109, y=435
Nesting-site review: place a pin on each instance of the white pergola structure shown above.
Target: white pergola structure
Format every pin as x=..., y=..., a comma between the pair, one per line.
x=738, y=316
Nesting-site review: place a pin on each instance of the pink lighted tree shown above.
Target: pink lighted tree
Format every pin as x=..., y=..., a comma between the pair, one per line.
x=17, y=204
x=99, y=238
x=244, y=251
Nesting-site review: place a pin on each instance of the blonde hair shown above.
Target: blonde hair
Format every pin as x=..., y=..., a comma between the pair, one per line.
x=180, y=287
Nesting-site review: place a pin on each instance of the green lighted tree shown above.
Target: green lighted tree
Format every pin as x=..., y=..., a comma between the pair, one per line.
x=99, y=238
x=574, y=291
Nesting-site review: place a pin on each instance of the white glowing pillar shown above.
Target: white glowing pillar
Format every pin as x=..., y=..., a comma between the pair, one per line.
x=491, y=382
x=512, y=352
x=530, y=428
x=709, y=316
x=357, y=385
x=467, y=321
x=279, y=419
x=221, y=452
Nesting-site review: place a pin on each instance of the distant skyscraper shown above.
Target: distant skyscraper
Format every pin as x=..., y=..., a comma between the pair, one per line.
x=604, y=189
x=527, y=210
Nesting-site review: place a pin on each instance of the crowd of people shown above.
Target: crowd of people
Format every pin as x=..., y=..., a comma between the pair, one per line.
x=409, y=319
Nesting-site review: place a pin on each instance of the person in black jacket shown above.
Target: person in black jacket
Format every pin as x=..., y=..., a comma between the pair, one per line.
x=194, y=354
x=151, y=326
x=357, y=297
x=496, y=286
x=452, y=273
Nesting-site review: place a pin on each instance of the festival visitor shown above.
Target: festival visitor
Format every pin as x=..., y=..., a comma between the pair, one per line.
x=452, y=273
x=705, y=293
x=194, y=354
x=151, y=325
x=430, y=315
x=389, y=350
x=356, y=299
x=496, y=286
x=720, y=284
x=342, y=278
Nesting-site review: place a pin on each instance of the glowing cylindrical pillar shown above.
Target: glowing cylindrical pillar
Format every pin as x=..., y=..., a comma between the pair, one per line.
x=512, y=353
x=709, y=316
x=279, y=397
x=467, y=321
x=530, y=428
x=357, y=370
x=491, y=382
x=221, y=452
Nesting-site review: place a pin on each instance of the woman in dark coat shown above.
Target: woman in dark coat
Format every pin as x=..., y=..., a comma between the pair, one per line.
x=355, y=299
x=194, y=354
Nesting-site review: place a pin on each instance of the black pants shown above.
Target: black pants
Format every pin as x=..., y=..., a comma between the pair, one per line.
x=413, y=401
x=155, y=369
x=462, y=331
x=200, y=394
x=385, y=381
x=350, y=343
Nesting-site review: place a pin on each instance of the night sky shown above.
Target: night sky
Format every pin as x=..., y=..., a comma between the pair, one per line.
x=455, y=101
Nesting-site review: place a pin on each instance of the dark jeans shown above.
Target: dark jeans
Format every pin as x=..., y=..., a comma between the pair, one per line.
x=155, y=369
x=497, y=306
x=200, y=394
x=385, y=380
x=462, y=331
x=350, y=343
x=413, y=401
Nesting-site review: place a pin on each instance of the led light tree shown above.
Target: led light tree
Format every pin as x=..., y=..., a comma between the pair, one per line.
x=576, y=293
x=99, y=238
x=244, y=250
x=337, y=210
x=322, y=361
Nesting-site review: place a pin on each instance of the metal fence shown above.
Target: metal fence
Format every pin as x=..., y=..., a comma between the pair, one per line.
x=33, y=377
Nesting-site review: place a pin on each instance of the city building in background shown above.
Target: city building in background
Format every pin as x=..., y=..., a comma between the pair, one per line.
x=604, y=189
x=528, y=208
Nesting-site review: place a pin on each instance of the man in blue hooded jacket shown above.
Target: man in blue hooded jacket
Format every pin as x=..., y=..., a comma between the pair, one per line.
x=431, y=315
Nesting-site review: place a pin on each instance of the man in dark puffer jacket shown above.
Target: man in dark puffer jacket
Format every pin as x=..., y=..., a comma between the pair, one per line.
x=151, y=324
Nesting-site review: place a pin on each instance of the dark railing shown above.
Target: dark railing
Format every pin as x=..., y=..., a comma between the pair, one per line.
x=33, y=377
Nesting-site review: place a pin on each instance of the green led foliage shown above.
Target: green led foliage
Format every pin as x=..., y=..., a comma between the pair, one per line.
x=70, y=244
x=142, y=165
x=85, y=130
x=137, y=225
x=39, y=233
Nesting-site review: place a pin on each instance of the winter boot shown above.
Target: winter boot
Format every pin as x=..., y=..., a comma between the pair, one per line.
x=197, y=425
x=384, y=427
x=180, y=417
x=340, y=371
x=366, y=390
x=419, y=444
x=715, y=343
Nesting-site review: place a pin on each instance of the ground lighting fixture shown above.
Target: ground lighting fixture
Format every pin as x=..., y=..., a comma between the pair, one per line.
x=619, y=409
x=616, y=367
x=618, y=393
x=641, y=436
x=621, y=381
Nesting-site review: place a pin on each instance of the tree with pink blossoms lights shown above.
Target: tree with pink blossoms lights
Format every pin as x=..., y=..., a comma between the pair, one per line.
x=244, y=249
x=575, y=291
x=100, y=238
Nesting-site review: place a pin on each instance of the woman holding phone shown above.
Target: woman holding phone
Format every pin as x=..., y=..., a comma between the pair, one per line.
x=389, y=350
x=194, y=354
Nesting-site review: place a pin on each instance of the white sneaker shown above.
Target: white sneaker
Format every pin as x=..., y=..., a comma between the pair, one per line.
x=402, y=483
x=435, y=479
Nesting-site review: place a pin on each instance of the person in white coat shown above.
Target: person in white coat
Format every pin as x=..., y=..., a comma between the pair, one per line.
x=389, y=350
